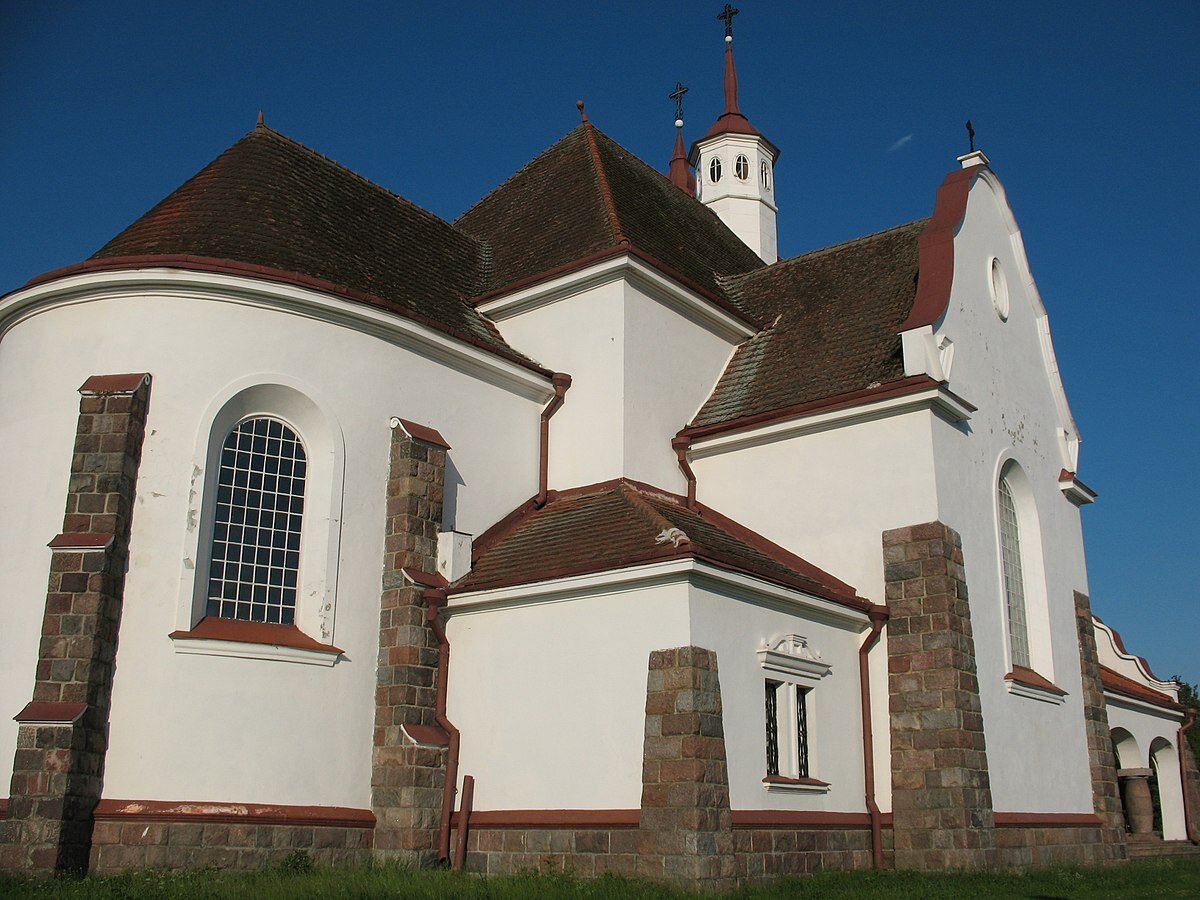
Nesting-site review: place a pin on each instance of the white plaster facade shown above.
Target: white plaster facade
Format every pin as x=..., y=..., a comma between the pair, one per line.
x=548, y=681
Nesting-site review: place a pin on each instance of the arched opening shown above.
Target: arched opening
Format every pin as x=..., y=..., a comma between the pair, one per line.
x=1129, y=758
x=1167, y=791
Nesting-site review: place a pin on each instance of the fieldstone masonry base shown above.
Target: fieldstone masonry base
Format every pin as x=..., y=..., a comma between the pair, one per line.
x=58, y=768
x=686, y=827
x=119, y=846
x=407, y=778
x=941, y=795
x=1102, y=760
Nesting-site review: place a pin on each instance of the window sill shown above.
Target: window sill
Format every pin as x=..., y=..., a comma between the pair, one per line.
x=253, y=640
x=781, y=783
x=1023, y=682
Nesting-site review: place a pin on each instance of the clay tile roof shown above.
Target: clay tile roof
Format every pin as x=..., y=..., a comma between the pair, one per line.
x=619, y=524
x=837, y=314
x=270, y=201
x=1128, y=687
x=586, y=194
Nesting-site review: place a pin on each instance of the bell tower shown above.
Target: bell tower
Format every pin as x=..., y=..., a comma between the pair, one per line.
x=735, y=166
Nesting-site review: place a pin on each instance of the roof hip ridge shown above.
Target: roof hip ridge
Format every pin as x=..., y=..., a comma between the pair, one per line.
x=605, y=189
x=656, y=519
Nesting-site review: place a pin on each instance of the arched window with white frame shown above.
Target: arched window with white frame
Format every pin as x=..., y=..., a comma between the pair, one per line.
x=254, y=560
x=1014, y=576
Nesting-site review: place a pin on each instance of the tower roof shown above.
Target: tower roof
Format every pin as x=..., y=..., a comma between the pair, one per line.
x=732, y=120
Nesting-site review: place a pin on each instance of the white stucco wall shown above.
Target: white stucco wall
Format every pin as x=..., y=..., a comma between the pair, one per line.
x=203, y=727
x=1037, y=752
x=552, y=705
x=633, y=387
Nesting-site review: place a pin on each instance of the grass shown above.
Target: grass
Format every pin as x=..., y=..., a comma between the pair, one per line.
x=1142, y=878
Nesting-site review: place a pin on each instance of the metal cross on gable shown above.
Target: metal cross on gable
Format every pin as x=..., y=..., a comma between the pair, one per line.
x=677, y=96
x=727, y=14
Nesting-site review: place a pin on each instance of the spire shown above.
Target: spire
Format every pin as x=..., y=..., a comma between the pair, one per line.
x=731, y=120
x=679, y=172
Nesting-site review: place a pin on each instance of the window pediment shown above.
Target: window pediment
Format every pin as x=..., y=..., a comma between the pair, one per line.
x=791, y=655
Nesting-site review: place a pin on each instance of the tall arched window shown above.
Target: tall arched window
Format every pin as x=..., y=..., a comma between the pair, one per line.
x=1014, y=576
x=255, y=560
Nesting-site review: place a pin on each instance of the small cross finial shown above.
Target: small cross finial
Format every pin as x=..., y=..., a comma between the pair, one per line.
x=677, y=96
x=971, y=135
x=582, y=115
x=727, y=15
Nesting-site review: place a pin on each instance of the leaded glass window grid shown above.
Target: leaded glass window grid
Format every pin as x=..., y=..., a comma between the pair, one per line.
x=255, y=559
x=802, y=731
x=1014, y=577
x=772, y=696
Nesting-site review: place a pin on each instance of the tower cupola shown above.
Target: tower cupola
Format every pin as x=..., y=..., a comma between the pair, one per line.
x=735, y=166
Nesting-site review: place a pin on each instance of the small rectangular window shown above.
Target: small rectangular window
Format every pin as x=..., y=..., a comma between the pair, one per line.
x=772, y=727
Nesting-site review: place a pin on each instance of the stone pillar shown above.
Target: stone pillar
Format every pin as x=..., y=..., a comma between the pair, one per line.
x=941, y=796
x=1139, y=805
x=1191, y=789
x=686, y=831
x=63, y=733
x=409, y=754
x=1102, y=761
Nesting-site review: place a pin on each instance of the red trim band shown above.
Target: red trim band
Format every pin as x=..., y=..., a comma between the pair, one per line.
x=114, y=384
x=1116, y=683
x=50, y=712
x=789, y=818
x=187, y=262
x=81, y=540
x=1030, y=678
x=214, y=629
x=233, y=813
x=783, y=779
x=1047, y=820
x=553, y=818
x=909, y=385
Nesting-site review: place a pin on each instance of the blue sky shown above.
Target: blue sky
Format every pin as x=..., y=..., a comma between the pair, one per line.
x=1087, y=111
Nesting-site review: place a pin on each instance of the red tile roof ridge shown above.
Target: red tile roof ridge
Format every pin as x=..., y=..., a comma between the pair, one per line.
x=660, y=523
x=605, y=189
x=733, y=280
x=268, y=131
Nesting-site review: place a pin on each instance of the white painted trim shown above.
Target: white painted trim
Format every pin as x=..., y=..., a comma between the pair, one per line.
x=782, y=788
x=937, y=399
x=659, y=287
x=1077, y=492
x=279, y=297
x=244, y=650
x=733, y=584
x=1170, y=687
x=1034, y=692
x=793, y=662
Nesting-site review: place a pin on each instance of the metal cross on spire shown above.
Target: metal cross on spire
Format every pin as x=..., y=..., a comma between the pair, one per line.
x=727, y=14
x=677, y=96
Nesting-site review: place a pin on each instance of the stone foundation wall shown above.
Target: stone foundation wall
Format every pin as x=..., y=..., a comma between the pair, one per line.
x=774, y=852
x=583, y=851
x=1032, y=846
x=119, y=846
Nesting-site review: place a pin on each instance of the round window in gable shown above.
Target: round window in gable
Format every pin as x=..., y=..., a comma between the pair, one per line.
x=999, y=286
x=741, y=167
x=764, y=172
x=714, y=170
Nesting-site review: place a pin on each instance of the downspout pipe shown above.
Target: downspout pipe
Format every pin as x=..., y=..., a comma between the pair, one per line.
x=879, y=615
x=435, y=598
x=561, y=382
x=680, y=445
x=1181, y=745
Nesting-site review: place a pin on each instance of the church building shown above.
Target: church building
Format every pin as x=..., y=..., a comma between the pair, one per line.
x=580, y=532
